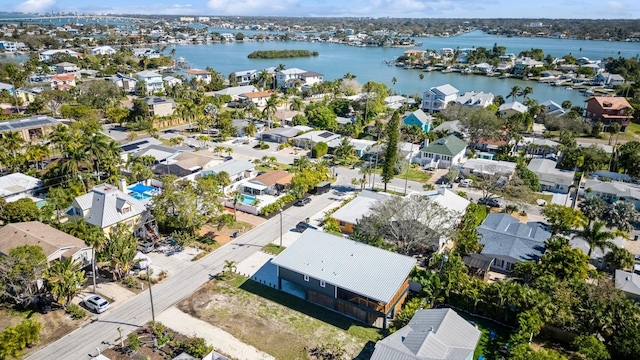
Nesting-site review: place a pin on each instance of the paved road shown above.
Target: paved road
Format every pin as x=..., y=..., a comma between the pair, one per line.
x=82, y=343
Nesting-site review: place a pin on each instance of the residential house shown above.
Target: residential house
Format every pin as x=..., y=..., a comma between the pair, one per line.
x=171, y=81
x=185, y=163
x=509, y=241
x=629, y=284
x=475, y=100
x=443, y=153
x=106, y=206
x=238, y=169
x=199, y=75
x=487, y=148
x=488, y=167
x=240, y=125
x=608, y=110
x=18, y=185
x=348, y=215
x=553, y=108
x=346, y=276
x=135, y=146
x=103, y=50
x=536, y=146
x=482, y=68
x=11, y=46
x=295, y=77
x=396, y=101
x=30, y=128
x=67, y=68
x=431, y=334
x=608, y=79
x=56, y=244
x=437, y=98
x=269, y=183
x=612, y=191
x=310, y=139
x=597, y=256
x=607, y=148
x=447, y=199
x=419, y=119
x=446, y=52
x=152, y=80
x=551, y=178
x=160, y=106
x=125, y=82
x=234, y=92
x=611, y=176
x=361, y=146
x=27, y=95
x=245, y=77
x=258, y=98
x=450, y=128
x=524, y=64
x=7, y=87
x=279, y=135
x=406, y=150
x=509, y=109
x=63, y=82
x=48, y=54
x=285, y=116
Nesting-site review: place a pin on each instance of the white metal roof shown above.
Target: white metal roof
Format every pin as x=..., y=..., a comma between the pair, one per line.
x=360, y=268
x=17, y=183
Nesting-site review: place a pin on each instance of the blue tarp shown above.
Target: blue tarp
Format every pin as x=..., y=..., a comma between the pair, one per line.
x=141, y=189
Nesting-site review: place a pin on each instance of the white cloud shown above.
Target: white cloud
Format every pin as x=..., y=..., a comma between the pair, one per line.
x=33, y=6
x=254, y=7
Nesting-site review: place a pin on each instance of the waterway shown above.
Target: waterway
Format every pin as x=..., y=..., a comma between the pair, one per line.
x=367, y=63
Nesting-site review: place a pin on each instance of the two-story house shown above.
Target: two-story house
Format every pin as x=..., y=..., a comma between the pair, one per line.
x=443, y=153
x=103, y=50
x=509, y=109
x=245, y=77
x=63, y=82
x=199, y=75
x=420, y=119
x=437, y=98
x=160, y=106
x=295, y=77
x=523, y=64
x=67, y=68
x=125, y=82
x=475, y=100
x=152, y=80
x=48, y=54
x=608, y=110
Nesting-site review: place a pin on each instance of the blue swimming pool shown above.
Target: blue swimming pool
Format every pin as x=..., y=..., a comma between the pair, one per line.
x=248, y=200
x=41, y=203
x=140, y=196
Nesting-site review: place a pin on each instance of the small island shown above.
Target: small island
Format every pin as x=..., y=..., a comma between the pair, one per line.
x=281, y=54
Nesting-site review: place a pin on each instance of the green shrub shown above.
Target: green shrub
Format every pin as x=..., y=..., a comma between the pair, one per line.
x=130, y=282
x=134, y=341
x=15, y=338
x=76, y=312
x=196, y=347
x=275, y=206
x=319, y=150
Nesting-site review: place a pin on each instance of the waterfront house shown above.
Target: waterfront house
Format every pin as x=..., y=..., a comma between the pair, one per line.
x=152, y=80
x=234, y=91
x=270, y=183
x=280, y=135
x=475, y=100
x=198, y=75
x=11, y=46
x=106, y=206
x=363, y=282
x=509, y=109
x=245, y=77
x=125, y=82
x=446, y=52
x=63, y=82
x=258, y=98
x=348, y=215
x=16, y=186
x=170, y=81
x=295, y=77
x=629, y=284
x=48, y=54
x=103, y=50
x=483, y=68
x=609, y=109
x=612, y=191
x=607, y=79
x=67, y=68
x=524, y=64
x=146, y=53
x=508, y=241
x=437, y=98
x=420, y=119
x=310, y=139
x=442, y=153
x=56, y=244
x=30, y=128
x=551, y=178
x=431, y=334
x=553, y=108
x=160, y=106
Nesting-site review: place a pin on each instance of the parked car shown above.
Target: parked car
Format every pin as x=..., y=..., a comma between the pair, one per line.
x=465, y=182
x=492, y=202
x=145, y=248
x=303, y=225
x=302, y=202
x=96, y=303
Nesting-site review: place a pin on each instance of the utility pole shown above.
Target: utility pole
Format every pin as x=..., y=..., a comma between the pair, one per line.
x=93, y=267
x=153, y=313
x=406, y=178
x=280, y=227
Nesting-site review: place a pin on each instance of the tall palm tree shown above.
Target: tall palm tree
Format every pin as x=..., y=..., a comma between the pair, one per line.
x=270, y=107
x=37, y=153
x=297, y=104
x=236, y=197
x=515, y=92
x=595, y=236
x=526, y=92
x=301, y=164
x=64, y=279
x=13, y=142
x=345, y=151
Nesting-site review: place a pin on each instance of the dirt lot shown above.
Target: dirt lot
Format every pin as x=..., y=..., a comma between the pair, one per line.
x=275, y=322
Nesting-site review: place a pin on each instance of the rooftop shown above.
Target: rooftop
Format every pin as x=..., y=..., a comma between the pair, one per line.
x=628, y=282
x=504, y=235
x=17, y=183
x=273, y=177
x=106, y=204
x=32, y=122
x=610, y=102
x=450, y=145
x=36, y=233
x=359, y=207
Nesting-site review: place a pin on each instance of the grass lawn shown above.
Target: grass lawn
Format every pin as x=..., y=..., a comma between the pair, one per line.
x=276, y=166
x=273, y=249
x=275, y=322
x=414, y=175
x=487, y=346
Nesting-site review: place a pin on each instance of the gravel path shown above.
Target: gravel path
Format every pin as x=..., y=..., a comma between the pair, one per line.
x=221, y=340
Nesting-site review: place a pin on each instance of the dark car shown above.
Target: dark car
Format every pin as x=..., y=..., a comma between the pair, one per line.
x=303, y=225
x=492, y=202
x=302, y=202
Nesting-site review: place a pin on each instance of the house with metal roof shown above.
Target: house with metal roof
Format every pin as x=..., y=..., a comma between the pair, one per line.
x=106, y=206
x=488, y=167
x=311, y=138
x=442, y=153
x=18, y=185
x=432, y=334
x=553, y=108
x=245, y=77
x=612, y=191
x=348, y=215
x=361, y=281
x=509, y=109
x=509, y=241
x=30, y=128
x=279, y=135
x=238, y=170
x=551, y=178
x=420, y=119
x=152, y=80
x=437, y=98
x=56, y=244
x=475, y=100
x=629, y=284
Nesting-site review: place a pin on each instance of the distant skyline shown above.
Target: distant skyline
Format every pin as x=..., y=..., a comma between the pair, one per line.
x=566, y=9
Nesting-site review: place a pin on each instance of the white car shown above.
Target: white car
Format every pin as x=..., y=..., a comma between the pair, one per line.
x=466, y=182
x=96, y=303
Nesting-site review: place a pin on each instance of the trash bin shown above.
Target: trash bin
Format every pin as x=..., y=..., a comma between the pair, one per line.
x=235, y=234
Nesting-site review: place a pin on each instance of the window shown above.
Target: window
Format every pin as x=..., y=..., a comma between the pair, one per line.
x=342, y=223
x=306, y=278
x=322, y=284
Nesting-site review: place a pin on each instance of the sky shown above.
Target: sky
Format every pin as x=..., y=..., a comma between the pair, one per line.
x=575, y=9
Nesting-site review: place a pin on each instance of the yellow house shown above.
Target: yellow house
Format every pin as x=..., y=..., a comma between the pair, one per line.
x=26, y=95
x=106, y=206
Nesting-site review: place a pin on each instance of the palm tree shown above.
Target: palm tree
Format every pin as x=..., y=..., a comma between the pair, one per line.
x=595, y=236
x=37, y=153
x=270, y=107
x=229, y=266
x=526, y=92
x=345, y=151
x=297, y=104
x=236, y=197
x=60, y=200
x=515, y=92
x=264, y=78
x=13, y=142
x=224, y=180
x=614, y=129
x=301, y=164
x=64, y=279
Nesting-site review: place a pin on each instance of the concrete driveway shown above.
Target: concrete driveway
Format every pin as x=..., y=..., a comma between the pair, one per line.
x=172, y=263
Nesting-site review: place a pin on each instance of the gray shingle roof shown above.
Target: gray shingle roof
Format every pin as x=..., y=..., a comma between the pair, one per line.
x=504, y=235
x=450, y=145
x=628, y=282
x=105, y=204
x=547, y=172
x=433, y=334
x=360, y=268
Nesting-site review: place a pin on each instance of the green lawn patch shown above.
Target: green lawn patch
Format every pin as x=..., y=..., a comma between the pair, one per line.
x=487, y=346
x=273, y=249
x=414, y=175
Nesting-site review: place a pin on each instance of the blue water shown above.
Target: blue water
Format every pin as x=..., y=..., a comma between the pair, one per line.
x=248, y=200
x=41, y=203
x=140, y=196
x=335, y=60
